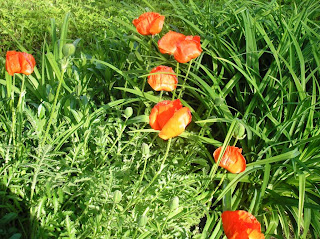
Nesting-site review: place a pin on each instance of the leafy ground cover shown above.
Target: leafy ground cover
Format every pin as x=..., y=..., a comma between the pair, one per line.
x=76, y=163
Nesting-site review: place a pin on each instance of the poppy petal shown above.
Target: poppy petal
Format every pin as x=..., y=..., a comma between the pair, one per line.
x=12, y=62
x=27, y=63
x=176, y=124
x=167, y=44
x=232, y=159
x=157, y=25
x=166, y=79
x=241, y=225
x=255, y=234
x=188, y=49
x=162, y=112
x=149, y=23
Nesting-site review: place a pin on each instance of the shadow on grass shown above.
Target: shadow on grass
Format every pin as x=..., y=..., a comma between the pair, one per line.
x=14, y=216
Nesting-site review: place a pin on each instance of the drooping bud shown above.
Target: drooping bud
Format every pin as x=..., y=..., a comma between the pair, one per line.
x=128, y=112
x=218, y=101
x=174, y=204
x=239, y=132
x=68, y=49
x=131, y=57
x=145, y=150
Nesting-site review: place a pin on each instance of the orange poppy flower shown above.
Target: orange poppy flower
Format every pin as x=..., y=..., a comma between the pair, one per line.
x=183, y=48
x=169, y=117
x=163, y=80
x=241, y=225
x=188, y=49
x=19, y=62
x=149, y=23
x=168, y=43
x=232, y=159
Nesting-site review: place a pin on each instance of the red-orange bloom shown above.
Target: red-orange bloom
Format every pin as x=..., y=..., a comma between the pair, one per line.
x=165, y=79
x=183, y=48
x=188, y=49
x=149, y=23
x=168, y=43
x=232, y=159
x=19, y=62
x=169, y=117
x=241, y=225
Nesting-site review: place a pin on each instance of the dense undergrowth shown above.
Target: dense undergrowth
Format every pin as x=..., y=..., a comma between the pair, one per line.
x=91, y=169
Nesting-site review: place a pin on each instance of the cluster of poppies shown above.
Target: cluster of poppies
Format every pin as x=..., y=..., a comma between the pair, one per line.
x=171, y=118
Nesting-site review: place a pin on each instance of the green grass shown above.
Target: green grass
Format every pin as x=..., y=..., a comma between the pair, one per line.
x=69, y=148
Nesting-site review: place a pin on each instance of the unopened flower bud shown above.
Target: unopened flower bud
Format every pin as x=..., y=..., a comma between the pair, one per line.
x=128, y=112
x=174, y=204
x=68, y=49
x=145, y=150
x=131, y=57
x=218, y=101
x=239, y=132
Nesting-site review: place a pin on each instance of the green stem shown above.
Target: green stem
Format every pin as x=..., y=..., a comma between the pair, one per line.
x=21, y=93
x=226, y=201
x=216, y=189
x=177, y=73
x=13, y=126
x=185, y=79
x=160, y=96
x=19, y=107
x=53, y=108
x=235, y=142
x=114, y=143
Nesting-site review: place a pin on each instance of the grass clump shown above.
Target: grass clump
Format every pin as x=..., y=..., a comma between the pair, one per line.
x=84, y=163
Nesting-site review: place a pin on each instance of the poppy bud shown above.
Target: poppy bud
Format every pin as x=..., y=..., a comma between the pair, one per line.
x=131, y=57
x=68, y=49
x=117, y=196
x=218, y=101
x=142, y=221
x=145, y=150
x=128, y=112
x=239, y=132
x=174, y=204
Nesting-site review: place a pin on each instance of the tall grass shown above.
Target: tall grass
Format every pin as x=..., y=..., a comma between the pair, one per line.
x=75, y=164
